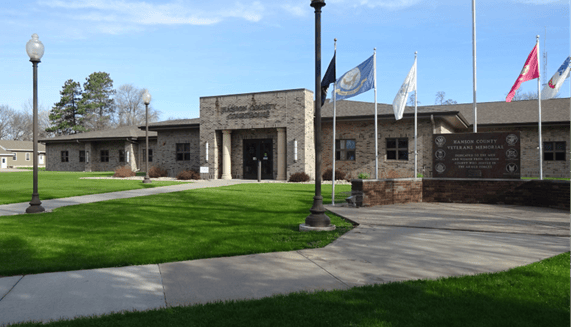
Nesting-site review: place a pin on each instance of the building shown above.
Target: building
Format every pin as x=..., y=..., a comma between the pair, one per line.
x=15, y=154
x=235, y=132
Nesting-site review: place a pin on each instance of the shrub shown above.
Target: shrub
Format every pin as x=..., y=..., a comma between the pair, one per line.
x=188, y=174
x=363, y=176
x=155, y=172
x=299, y=177
x=338, y=175
x=123, y=171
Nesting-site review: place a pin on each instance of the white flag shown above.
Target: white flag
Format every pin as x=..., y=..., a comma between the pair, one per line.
x=550, y=90
x=401, y=98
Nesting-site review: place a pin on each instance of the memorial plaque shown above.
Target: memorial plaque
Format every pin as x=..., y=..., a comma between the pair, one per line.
x=477, y=155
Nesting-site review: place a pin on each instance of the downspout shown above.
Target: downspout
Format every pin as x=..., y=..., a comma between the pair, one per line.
x=433, y=124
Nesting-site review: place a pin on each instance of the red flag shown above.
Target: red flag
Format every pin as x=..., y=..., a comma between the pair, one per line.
x=530, y=71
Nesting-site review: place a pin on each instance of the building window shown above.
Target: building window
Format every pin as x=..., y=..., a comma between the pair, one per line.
x=183, y=151
x=82, y=156
x=554, y=151
x=121, y=155
x=150, y=155
x=346, y=150
x=15, y=157
x=65, y=156
x=27, y=156
x=104, y=155
x=397, y=149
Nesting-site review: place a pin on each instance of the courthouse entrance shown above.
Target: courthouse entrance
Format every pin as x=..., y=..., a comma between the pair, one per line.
x=253, y=151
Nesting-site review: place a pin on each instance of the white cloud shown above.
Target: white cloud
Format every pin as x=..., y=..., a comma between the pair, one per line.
x=117, y=15
x=298, y=11
x=387, y=4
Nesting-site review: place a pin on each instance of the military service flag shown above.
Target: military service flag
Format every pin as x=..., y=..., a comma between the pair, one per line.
x=530, y=71
x=550, y=90
x=401, y=98
x=329, y=77
x=356, y=81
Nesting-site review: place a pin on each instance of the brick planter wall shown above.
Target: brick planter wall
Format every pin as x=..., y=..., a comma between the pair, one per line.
x=546, y=193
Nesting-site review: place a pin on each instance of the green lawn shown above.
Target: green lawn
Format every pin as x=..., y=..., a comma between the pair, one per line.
x=17, y=186
x=203, y=223
x=534, y=295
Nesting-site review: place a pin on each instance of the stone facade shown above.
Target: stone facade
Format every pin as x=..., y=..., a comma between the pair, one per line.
x=257, y=116
x=164, y=150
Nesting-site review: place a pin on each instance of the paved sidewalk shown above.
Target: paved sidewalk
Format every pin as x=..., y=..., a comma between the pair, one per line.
x=20, y=208
x=423, y=245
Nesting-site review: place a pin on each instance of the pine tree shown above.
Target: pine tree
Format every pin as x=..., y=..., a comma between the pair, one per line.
x=66, y=117
x=97, y=101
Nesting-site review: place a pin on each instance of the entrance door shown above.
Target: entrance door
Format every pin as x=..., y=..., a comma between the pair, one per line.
x=253, y=151
x=4, y=164
x=41, y=159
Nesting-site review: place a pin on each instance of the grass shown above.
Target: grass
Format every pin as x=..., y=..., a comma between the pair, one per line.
x=195, y=224
x=17, y=186
x=533, y=295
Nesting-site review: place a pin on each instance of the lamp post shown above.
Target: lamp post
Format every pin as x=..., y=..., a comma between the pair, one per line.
x=317, y=218
x=35, y=50
x=146, y=100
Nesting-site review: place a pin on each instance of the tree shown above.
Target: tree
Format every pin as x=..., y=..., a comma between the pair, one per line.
x=20, y=127
x=43, y=119
x=5, y=116
x=97, y=102
x=411, y=100
x=66, y=116
x=520, y=95
x=130, y=109
x=441, y=99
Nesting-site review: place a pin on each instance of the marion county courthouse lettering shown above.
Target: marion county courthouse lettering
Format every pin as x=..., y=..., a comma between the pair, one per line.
x=235, y=132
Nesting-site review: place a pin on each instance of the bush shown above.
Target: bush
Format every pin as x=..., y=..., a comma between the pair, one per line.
x=155, y=172
x=299, y=177
x=363, y=176
x=188, y=174
x=338, y=175
x=124, y=171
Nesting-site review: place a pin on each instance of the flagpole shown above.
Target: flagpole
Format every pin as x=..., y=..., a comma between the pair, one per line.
x=375, y=115
x=539, y=103
x=334, y=128
x=474, y=61
x=416, y=115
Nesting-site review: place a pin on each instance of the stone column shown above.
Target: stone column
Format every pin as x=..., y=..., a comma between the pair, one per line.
x=281, y=153
x=226, y=155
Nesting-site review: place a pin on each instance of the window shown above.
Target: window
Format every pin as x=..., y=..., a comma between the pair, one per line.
x=27, y=156
x=346, y=150
x=104, y=155
x=65, y=156
x=121, y=155
x=82, y=156
x=554, y=151
x=15, y=157
x=150, y=155
x=397, y=149
x=183, y=151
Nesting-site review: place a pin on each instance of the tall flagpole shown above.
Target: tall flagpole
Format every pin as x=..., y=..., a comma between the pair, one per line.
x=416, y=115
x=375, y=115
x=334, y=128
x=474, y=59
x=539, y=102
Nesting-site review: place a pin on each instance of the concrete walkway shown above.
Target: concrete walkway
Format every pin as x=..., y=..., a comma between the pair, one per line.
x=392, y=243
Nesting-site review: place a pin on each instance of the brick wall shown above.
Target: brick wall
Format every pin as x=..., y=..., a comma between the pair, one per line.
x=165, y=154
x=541, y=193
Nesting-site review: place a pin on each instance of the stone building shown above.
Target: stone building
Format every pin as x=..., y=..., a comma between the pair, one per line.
x=236, y=132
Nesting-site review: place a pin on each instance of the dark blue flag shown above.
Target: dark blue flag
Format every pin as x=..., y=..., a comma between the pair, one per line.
x=329, y=77
x=356, y=81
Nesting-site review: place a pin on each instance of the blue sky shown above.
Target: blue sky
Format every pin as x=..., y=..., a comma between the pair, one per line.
x=181, y=50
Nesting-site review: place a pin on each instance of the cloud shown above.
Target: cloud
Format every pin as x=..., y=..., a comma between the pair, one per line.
x=387, y=4
x=297, y=11
x=113, y=16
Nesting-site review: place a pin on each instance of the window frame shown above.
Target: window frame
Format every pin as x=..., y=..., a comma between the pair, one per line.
x=397, y=150
x=121, y=155
x=341, y=148
x=27, y=156
x=554, y=151
x=65, y=156
x=104, y=155
x=82, y=155
x=14, y=156
x=183, y=154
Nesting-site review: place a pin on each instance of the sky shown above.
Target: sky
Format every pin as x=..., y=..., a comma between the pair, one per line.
x=181, y=50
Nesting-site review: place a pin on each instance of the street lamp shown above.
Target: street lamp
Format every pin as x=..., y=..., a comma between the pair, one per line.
x=35, y=50
x=146, y=100
x=317, y=219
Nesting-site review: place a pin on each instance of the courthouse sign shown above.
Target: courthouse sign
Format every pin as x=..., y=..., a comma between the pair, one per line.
x=477, y=155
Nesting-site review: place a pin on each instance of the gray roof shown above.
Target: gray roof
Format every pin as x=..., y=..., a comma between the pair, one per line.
x=11, y=145
x=170, y=124
x=489, y=113
x=126, y=132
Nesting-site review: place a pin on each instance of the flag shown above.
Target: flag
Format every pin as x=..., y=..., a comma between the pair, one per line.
x=357, y=80
x=329, y=77
x=401, y=98
x=550, y=90
x=530, y=71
